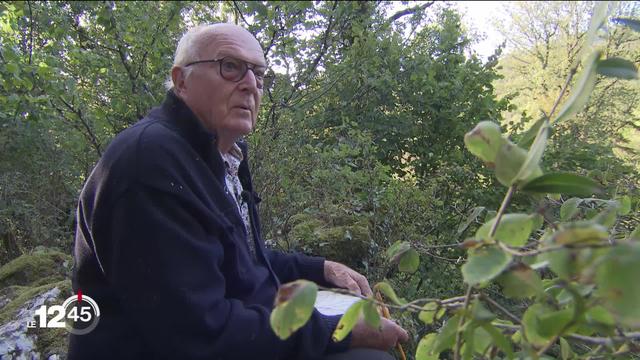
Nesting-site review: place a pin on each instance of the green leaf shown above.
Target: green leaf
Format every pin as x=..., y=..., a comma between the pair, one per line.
x=521, y=282
x=468, y=335
x=348, y=321
x=396, y=250
x=513, y=230
x=482, y=340
x=635, y=234
x=569, y=208
x=630, y=23
x=509, y=161
x=484, y=141
x=428, y=313
x=531, y=324
x=554, y=323
x=625, y=205
x=480, y=314
x=425, y=348
x=409, y=261
x=580, y=232
x=387, y=290
x=531, y=133
x=499, y=340
x=618, y=68
x=562, y=183
x=294, y=306
x=581, y=92
x=597, y=20
x=371, y=314
x=607, y=217
x=617, y=279
x=447, y=335
x=598, y=314
x=531, y=165
x=472, y=217
x=565, y=349
x=485, y=264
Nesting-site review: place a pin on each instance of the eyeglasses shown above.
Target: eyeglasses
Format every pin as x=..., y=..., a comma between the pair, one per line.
x=233, y=69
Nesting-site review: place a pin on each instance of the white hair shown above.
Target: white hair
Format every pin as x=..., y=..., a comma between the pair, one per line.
x=189, y=47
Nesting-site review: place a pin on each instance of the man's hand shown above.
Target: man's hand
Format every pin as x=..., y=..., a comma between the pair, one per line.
x=344, y=277
x=383, y=339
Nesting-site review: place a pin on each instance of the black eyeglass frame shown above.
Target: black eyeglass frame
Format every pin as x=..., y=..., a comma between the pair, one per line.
x=249, y=66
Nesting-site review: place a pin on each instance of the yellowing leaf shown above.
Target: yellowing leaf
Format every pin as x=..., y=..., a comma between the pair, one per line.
x=521, y=282
x=371, y=315
x=294, y=306
x=428, y=313
x=484, y=141
x=387, y=290
x=580, y=232
x=425, y=347
x=348, y=321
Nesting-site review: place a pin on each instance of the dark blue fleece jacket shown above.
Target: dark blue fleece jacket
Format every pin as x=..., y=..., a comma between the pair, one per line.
x=162, y=250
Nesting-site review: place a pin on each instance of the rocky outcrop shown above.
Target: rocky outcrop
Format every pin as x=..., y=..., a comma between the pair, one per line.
x=29, y=282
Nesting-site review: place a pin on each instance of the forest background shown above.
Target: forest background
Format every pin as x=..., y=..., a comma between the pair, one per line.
x=359, y=142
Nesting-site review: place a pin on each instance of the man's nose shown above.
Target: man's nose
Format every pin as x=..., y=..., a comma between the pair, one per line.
x=249, y=79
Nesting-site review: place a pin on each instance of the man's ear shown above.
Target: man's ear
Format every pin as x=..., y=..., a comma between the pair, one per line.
x=177, y=75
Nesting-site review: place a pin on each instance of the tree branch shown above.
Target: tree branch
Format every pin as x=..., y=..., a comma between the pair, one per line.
x=408, y=11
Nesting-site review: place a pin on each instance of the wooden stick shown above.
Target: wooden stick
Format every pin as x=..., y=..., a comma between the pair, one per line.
x=385, y=313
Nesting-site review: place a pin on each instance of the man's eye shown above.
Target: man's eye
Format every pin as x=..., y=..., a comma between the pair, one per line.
x=230, y=66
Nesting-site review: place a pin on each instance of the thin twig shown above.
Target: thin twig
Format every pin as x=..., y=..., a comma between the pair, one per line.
x=414, y=305
x=550, y=248
x=564, y=89
x=605, y=341
x=503, y=208
x=511, y=316
x=30, y=32
x=456, y=354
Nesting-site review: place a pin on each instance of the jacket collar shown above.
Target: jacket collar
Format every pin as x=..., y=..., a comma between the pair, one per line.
x=180, y=118
x=185, y=122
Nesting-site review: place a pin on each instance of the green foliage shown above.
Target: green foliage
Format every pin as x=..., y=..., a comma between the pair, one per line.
x=575, y=275
x=485, y=264
x=562, y=183
x=361, y=145
x=514, y=229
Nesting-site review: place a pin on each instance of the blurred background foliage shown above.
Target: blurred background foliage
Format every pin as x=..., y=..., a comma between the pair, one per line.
x=359, y=142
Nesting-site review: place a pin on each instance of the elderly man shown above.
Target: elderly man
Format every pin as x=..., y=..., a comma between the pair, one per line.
x=168, y=240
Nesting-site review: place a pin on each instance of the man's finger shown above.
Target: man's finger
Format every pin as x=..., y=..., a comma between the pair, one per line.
x=353, y=286
x=403, y=335
x=363, y=283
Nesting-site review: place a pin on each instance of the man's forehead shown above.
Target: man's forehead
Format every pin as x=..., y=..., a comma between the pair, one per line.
x=235, y=42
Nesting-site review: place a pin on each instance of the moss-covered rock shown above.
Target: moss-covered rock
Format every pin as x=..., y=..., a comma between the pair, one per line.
x=29, y=268
x=27, y=283
x=336, y=236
